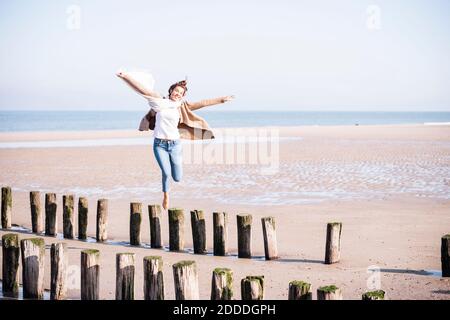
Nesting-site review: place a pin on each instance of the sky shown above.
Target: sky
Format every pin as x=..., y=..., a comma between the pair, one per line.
x=317, y=55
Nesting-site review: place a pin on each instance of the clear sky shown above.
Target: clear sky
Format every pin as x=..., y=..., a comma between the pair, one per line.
x=273, y=55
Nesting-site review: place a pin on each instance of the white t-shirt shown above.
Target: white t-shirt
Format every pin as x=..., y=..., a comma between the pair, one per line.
x=167, y=117
x=166, y=124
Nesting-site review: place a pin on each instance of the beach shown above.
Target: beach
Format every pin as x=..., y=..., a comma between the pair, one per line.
x=389, y=185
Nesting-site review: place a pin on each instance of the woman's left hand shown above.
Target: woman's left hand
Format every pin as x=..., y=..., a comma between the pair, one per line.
x=120, y=73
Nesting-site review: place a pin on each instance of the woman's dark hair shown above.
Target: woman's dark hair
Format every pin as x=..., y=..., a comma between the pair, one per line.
x=182, y=83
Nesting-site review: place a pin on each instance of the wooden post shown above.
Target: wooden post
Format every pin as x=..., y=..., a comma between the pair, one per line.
x=102, y=220
x=37, y=224
x=153, y=278
x=222, y=284
x=154, y=213
x=176, y=229
x=333, y=243
x=135, y=223
x=33, y=254
x=58, y=274
x=220, y=225
x=82, y=218
x=445, y=255
x=198, y=231
x=10, y=265
x=374, y=295
x=125, y=276
x=299, y=290
x=6, y=207
x=68, y=216
x=50, y=214
x=329, y=293
x=270, y=238
x=186, y=280
x=244, y=228
x=252, y=288
x=90, y=274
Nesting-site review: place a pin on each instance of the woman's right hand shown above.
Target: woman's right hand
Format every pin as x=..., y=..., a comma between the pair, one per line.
x=228, y=98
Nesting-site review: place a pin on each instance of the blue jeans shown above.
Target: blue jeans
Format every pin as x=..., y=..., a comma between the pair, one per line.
x=168, y=154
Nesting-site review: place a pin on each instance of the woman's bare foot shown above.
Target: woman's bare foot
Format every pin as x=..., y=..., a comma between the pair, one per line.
x=165, y=202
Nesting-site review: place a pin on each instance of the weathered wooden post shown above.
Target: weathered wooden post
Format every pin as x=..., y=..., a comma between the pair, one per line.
x=222, y=284
x=176, y=229
x=445, y=255
x=154, y=212
x=186, y=280
x=82, y=218
x=135, y=223
x=90, y=274
x=33, y=255
x=270, y=238
x=198, y=231
x=125, y=276
x=153, y=278
x=50, y=214
x=6, y=207
x=58, y=274
x=37, y=224
x=68, y=216
x=102, y=220
x=299, y=290
x=244, y=229
x=252, y=288
x=10, y=265
x=329, y=293
x=220, y=225
x=333, y=243
x=374, y=295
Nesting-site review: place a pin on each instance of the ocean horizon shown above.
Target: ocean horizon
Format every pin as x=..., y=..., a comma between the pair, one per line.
x=16, y=121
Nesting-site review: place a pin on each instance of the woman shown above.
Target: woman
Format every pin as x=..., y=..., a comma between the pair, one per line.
x=171, y=119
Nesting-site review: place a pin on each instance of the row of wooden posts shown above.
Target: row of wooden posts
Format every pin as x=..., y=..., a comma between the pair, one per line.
x=176, y=226
x=185, y=276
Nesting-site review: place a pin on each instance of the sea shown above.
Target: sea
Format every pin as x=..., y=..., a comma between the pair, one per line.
x=14, y=121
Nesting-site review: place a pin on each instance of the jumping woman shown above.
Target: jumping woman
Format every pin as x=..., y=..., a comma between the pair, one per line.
x=171, y=119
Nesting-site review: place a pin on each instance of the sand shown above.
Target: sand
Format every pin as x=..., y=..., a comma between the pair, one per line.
x=388, y=185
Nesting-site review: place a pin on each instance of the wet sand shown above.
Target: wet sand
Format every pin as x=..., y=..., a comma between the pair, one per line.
x=388, y=185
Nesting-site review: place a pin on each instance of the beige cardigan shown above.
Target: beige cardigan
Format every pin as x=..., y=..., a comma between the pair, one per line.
x=190, y=126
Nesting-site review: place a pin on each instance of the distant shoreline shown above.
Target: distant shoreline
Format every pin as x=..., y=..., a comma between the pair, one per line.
x=134, y=137
x=131, y=131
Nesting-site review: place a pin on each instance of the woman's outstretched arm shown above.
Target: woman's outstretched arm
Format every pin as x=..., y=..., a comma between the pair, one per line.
x=137, y=86
x=208, y=102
